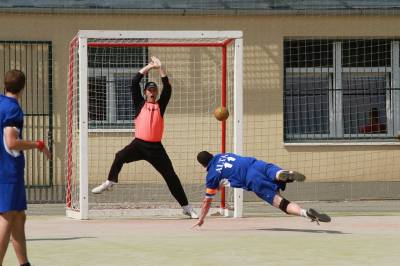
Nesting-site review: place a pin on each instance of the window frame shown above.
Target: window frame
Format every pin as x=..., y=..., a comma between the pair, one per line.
x=111, y=124
x=336, y=134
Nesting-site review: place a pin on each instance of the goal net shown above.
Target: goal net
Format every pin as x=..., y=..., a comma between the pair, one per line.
x=204, y=69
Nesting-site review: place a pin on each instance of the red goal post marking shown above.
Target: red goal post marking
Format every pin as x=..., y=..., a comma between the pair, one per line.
x=223, y=123
x=72, y=46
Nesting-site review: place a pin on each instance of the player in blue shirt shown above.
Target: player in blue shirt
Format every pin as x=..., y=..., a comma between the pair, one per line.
x=12, y=165
x=264, y=179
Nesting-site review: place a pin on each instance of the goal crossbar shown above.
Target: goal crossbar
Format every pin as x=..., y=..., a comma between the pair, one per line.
x=104, y=34
x=161, y=44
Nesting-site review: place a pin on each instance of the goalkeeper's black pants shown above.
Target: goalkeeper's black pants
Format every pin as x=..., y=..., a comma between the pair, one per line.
x=155, y=154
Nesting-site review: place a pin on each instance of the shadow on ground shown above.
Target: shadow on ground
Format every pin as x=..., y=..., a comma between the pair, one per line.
x=59, y=238
x=304, y=230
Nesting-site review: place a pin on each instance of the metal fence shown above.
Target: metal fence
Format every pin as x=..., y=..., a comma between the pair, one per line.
x=34, y=58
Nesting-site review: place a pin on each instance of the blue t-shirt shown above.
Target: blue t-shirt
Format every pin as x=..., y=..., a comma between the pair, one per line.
x=12, y=163
x=228, y=169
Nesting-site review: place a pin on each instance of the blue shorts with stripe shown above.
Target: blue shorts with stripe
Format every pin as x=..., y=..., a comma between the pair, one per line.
x=261, y=179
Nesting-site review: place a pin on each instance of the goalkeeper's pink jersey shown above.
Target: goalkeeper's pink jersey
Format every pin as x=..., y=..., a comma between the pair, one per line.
x=149, y=124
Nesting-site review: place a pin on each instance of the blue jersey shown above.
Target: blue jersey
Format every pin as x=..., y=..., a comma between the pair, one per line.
x=227, y=169
x=12, y=163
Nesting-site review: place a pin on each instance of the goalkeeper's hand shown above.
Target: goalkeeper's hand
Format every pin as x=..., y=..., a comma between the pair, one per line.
x=156, y=63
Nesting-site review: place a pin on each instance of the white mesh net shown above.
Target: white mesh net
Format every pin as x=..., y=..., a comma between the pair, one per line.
x=334, y=117
x=194, y=68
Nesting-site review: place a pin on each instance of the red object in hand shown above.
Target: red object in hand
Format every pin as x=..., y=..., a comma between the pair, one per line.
x=40, y=144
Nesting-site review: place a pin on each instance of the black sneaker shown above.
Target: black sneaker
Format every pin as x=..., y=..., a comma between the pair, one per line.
x=290, y=176
x=318, y=217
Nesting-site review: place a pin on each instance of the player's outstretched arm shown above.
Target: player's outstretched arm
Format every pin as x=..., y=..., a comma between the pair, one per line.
x=14, y=143
x=205, y=207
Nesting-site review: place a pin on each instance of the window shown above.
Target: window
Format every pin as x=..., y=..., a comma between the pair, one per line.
x=97, y=98
x=341, y=90
x=110, y=75
x=364, y=100
x=307, y=104
x=125, y=110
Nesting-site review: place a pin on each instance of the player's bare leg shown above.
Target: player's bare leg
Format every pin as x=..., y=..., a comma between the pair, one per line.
x=18, y=237
x=294, y=209
x=6, y=220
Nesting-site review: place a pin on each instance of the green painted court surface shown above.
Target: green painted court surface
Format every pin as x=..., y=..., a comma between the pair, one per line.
x=352, y=238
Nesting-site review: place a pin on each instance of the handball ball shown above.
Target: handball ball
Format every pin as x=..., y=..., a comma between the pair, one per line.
x=221, y=113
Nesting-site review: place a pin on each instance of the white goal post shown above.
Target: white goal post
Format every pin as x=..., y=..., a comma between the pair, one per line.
x=205, y=70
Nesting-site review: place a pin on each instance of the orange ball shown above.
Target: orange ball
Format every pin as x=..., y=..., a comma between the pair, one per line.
x=221, y=113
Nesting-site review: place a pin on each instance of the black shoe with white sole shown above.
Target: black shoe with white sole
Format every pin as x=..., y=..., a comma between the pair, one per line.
x=290, y=176
x=318, y=217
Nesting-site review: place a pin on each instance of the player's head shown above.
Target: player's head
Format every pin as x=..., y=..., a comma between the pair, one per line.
x=14, y=81
x=204, y=157
x=150, y=92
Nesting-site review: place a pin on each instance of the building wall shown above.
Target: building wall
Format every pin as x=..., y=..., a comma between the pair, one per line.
x=263, y=81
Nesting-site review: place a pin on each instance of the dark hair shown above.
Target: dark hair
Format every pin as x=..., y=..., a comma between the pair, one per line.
x=204, y=157
x=14, y=81
x=150, y=85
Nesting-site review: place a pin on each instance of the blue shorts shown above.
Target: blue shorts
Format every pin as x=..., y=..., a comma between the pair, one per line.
x=12, y=197
x=262, y=177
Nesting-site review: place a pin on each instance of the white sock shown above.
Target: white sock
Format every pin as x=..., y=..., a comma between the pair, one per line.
x=303, y=213
x=277, y=174
x=110, y=182
x=187, y=208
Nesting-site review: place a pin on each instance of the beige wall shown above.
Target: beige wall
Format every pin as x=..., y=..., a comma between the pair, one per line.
x=263, y=76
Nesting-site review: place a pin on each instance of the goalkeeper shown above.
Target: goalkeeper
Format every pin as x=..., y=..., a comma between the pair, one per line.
x=149, y=128
x=264, y=179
